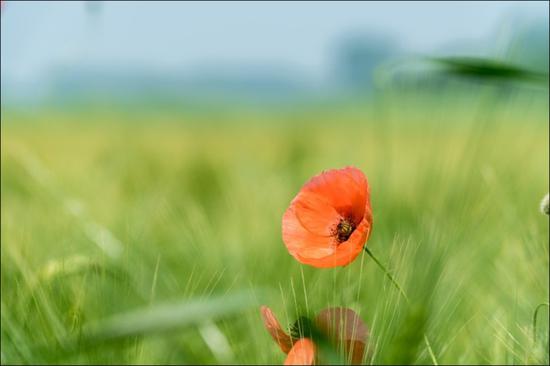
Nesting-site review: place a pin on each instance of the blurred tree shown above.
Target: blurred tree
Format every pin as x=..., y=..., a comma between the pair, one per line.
x=93, y=8
x=529, y=45
x=358, y=57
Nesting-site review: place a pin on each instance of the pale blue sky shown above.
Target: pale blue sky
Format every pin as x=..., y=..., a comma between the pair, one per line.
x=176, y=35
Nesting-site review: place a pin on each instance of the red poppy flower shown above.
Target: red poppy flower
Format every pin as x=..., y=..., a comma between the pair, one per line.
x=340, y=325
x=302, y=353
x=329, y=221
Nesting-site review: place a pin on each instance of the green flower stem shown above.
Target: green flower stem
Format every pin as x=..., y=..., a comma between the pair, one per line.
x=390, y=277
x=394, y=282
x=540, y=306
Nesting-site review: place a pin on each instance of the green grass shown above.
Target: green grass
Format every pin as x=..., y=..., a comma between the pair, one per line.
x=152, y=236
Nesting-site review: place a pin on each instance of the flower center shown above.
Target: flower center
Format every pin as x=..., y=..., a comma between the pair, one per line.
x=302, y=328
x=344, y=230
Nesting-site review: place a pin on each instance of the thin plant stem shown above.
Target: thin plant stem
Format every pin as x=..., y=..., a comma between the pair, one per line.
x=388, y=274
x=396, y=284
x=430, y=350
x=539, y=306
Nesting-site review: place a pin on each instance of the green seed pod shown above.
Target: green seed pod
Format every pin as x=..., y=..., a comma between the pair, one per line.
x=544, y=205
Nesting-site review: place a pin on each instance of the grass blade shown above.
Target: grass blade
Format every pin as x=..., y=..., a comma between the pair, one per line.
x=167, y=317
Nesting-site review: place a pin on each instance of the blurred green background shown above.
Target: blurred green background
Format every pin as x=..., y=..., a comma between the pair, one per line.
x=145, y=227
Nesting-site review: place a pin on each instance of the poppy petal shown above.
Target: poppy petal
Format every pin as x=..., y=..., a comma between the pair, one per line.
x=316, y=214
x=342, y=254
x=342, y=323
x=355, y=351
x=274, y=328
x=345, y=327
x=316, y=252
x=343, y=189
x=297, y=238
x=362, y=182
x=302, y=353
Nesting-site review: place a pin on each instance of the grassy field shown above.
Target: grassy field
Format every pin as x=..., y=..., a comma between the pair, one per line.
x=152, y=235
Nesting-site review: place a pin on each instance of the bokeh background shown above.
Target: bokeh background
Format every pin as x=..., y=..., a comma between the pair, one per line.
x=149, y=150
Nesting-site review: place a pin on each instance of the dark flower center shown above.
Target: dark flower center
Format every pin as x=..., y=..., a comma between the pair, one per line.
x=344, y=230
x=302, y=328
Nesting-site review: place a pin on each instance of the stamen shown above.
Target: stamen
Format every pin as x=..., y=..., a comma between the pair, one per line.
x=344, y=230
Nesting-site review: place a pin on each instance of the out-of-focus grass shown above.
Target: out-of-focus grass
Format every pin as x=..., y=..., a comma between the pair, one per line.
x=110, y=213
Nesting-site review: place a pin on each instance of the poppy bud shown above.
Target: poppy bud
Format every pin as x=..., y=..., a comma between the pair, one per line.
x=544, y=205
